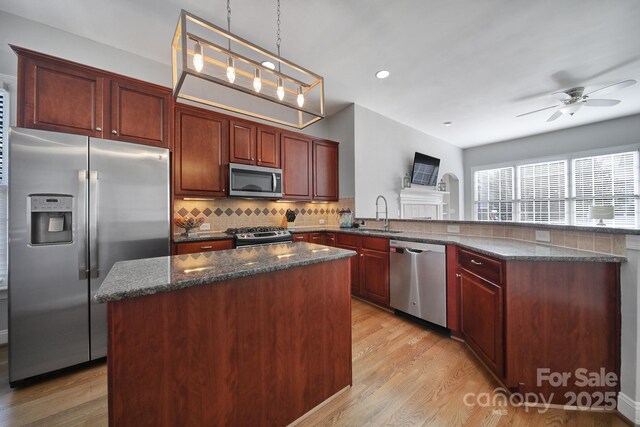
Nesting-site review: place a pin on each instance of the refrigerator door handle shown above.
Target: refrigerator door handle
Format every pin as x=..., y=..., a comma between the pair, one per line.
x=81, y=224
x=94, y=268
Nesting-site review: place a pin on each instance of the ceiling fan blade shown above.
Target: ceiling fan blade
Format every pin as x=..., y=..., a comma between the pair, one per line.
x=535, y=111
x=561, y=96
x=601, y=102
x=613, y=87
x=554, y=116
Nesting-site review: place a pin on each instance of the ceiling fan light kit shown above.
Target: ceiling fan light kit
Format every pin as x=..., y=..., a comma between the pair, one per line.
x=572, y=100
x=212, y=66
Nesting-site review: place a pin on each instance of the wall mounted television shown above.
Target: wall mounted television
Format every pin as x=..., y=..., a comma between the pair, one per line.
x=425, y=170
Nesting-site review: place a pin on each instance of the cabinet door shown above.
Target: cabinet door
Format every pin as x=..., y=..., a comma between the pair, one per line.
x=296, y=167
x=325, y=170
x=242, y=143
x=61, y=98
x=201, y=154
x=355, y=269
x=481, y=319
x=204, y=246
x=140, y=113
x=268, y=148
x=330, y=239
x=374, y=275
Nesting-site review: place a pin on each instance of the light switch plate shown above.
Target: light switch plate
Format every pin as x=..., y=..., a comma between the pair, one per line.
x=543, y=236
x=206, y=226
x=453, y=229
x=321, y=221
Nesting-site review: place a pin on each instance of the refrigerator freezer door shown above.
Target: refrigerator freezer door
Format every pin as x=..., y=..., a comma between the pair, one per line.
x=48, y=294
x=128, y=215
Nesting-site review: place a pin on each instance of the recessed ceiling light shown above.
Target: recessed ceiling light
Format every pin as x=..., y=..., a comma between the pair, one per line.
x=268, y=64
x=447, y=123
x=382, y=74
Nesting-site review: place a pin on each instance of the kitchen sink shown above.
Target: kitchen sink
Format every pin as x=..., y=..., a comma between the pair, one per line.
x=380, y=231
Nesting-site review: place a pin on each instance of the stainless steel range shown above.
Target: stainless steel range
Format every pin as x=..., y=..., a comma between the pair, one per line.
x=253, y=236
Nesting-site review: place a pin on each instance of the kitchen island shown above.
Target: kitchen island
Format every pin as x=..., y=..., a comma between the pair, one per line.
x=252, y=336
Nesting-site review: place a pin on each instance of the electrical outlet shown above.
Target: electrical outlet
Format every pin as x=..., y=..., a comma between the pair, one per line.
x=543, y=236
x=453, y=229
x=321, y=221
x=206, y=226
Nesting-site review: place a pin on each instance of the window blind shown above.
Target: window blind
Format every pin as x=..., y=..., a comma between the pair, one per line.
x=3, y=131
x=494, y=194
x=607, y=180
x=542, y=192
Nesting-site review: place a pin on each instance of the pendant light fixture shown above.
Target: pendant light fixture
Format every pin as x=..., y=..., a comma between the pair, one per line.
x=257, y=80
x=247, y=79
x=300, y=98
x=198, y=57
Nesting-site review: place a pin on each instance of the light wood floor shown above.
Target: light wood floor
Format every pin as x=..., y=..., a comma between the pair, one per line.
x=403, y=375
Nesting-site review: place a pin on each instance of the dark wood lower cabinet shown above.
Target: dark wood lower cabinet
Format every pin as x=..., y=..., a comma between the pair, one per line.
x=526, y=320
x=482, y=319
x=255, y=351
x=374, y=275
x=203, y=246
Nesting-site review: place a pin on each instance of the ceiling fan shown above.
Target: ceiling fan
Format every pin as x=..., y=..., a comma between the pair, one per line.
x=571, y=100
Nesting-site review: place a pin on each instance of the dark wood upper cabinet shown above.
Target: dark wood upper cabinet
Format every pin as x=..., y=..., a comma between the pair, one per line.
x=63, y=96
x=201, y=155
x=242, y=142
x=297, y=163
x=60, y=98
x=325, y=170
x=140, y=114
x=268, y=147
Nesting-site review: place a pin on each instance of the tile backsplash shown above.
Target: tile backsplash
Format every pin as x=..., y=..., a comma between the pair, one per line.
x=225, y=213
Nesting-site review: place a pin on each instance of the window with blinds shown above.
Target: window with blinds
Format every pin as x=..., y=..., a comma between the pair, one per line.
x=494, y=194
x=610, y=180
x=542, y=192
x=4, y=123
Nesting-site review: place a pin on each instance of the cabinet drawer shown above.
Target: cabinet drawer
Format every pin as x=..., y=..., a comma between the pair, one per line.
x=375, y=243
x=347, y=239
x=487, y=268
x=300, y=237
x=204, y=246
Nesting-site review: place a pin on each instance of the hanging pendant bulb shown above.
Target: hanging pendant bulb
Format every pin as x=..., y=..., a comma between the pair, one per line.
x=257, y=81
x=300, y=98
x=198, y=57
x=231, y=70
x=280, y=89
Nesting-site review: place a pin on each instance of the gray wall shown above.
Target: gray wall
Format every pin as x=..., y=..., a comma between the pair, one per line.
x=607, y=134
x=342, y=129
x=384, y=151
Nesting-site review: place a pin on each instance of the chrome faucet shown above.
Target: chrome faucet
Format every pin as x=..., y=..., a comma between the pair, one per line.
x=386, y=212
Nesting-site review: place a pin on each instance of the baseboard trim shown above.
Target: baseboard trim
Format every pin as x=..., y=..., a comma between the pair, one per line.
x=4, y=337
x=629, y=408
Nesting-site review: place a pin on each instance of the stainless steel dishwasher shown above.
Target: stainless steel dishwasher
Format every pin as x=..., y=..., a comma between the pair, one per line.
x=418, y=280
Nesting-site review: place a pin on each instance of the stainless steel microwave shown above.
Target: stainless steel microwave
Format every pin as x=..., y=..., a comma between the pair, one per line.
x=254, y=181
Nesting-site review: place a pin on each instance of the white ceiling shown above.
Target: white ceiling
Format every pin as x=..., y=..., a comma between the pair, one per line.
x=475, y=63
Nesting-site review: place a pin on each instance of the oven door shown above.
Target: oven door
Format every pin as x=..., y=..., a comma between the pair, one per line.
x=255, y=181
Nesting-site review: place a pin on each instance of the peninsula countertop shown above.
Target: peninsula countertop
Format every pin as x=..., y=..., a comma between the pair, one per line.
x=130, y=279
x=499, y=247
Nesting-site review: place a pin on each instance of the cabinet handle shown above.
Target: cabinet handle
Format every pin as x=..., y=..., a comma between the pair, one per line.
x=115, y=132
x=473, y=261
x=458, y=275
x=206, y=247
x=99, y=129
x=361, y=254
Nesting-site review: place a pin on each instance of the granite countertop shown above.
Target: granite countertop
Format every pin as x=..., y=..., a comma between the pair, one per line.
x=507, y=249
x=202, y=235
x=129, y=279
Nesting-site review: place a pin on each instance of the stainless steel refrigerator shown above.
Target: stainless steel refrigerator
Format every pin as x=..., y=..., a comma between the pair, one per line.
x=77, y=205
